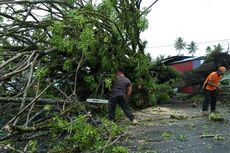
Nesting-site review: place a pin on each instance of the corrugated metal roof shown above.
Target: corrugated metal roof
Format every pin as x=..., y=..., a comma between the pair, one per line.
x=188, y=59
x=180, y=59
x=173, y=59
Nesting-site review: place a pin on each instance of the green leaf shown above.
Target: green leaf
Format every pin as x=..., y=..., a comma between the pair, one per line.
x=108, y=83
x=42, y=72
x=1, y=19
x=86, y=40
x=68, y=65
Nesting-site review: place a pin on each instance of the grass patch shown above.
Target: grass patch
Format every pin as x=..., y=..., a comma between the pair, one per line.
x=182, y=137
x=166, y=134
x=215, y=116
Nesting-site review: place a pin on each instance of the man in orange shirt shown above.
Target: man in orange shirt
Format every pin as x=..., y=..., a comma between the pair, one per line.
x=211, y=86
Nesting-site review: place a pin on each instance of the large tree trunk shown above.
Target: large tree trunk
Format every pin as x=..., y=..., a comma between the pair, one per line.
x=198, y=75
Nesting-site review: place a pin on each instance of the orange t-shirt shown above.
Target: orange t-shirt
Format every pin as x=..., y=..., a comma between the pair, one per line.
x=214, y=78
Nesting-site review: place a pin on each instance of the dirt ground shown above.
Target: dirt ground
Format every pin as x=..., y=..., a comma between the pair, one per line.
x=178, y=128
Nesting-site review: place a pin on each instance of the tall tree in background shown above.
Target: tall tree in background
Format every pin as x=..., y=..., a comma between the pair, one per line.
x=218, y=48
x=213, y=52
x=192, y=48
x=179, y=44
x=208, y=49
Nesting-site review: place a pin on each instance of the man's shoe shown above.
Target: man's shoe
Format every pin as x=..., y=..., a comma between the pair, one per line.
x=134, y=122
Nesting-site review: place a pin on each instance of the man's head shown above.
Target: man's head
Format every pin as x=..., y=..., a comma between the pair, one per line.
x=120, y=71
x=221, y=70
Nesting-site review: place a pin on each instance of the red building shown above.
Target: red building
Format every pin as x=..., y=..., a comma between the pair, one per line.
x=183, y=64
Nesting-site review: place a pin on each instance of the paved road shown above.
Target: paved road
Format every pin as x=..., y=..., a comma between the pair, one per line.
x=157, y=132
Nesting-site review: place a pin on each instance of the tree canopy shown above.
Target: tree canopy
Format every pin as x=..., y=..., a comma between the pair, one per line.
x=46, y=40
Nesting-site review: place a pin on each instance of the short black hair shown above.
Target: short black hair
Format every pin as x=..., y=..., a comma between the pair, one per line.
x=121, y=70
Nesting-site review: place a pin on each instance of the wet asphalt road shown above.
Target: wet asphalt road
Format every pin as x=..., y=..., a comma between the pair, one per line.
x=157, y=132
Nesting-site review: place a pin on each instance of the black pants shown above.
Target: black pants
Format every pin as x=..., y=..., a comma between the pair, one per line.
x=121, y=101
x=209, y=96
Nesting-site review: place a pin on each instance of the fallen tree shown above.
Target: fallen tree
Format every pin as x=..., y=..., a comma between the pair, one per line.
x=54, y=55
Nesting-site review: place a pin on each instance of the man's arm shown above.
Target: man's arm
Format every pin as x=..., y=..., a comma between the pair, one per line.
x=213, y=84
x=129, y=91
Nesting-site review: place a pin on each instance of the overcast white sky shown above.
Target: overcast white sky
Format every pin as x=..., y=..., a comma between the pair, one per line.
x=201, y=21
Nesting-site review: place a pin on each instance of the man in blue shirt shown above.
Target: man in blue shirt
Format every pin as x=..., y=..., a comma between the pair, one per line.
x=121, y=91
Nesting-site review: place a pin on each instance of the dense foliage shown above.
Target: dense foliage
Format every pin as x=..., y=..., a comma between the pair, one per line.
x=55, y=54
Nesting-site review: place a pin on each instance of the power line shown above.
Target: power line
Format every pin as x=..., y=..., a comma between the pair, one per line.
x=204, y=42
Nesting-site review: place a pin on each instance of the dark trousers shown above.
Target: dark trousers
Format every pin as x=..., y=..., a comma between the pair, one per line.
x=209, y=96
x=121, y=101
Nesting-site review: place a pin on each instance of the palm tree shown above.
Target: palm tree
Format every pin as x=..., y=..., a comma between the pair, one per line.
x=218, y=48
x=180, y=44
x=160, y=57
x=208, y=49
x=192, y=48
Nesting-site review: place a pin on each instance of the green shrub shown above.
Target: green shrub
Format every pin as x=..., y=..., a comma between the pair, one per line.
x=225, y=82
x=196, y=98
x=153, y=100
x=119, y=113
x=163, y=98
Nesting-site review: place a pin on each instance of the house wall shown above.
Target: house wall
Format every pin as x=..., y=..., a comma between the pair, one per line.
x=188, y=66
x=183, y=67
x=196, y=63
